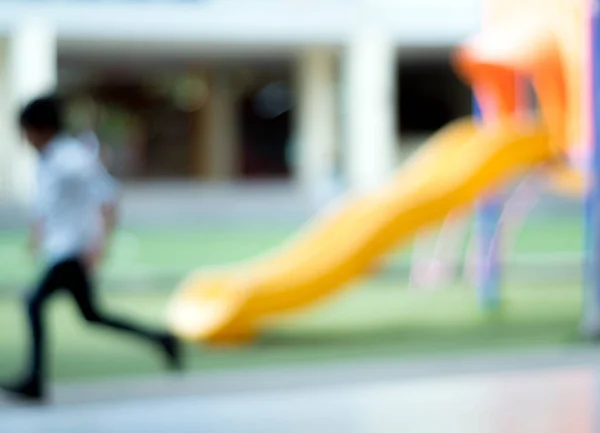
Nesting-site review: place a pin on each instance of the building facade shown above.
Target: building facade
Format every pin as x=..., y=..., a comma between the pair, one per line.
x=311, y=91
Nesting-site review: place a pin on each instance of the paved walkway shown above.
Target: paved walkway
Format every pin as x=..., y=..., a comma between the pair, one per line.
x=550, y=392
x=284, y=378
x=556, y=390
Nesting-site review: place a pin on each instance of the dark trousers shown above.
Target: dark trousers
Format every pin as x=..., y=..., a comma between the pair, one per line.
x=72, y=276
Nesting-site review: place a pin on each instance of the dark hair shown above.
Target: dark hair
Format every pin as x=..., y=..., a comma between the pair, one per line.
x=44, y=113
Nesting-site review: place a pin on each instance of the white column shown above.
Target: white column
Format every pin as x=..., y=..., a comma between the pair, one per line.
x=222, y=139
x=369, y=108
x=31, y=70
x=316, y=123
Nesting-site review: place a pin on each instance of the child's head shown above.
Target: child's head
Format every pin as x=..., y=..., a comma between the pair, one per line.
x=41, y=120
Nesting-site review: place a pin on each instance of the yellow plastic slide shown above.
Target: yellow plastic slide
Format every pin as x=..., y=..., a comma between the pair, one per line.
x=458, y=164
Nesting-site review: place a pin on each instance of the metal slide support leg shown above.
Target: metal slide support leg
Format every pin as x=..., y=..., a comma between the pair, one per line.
x=488, y=268
x=591, y=308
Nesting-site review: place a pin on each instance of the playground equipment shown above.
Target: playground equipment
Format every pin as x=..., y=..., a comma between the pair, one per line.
x=452, y=254
x=500, y=220
x=541, y=41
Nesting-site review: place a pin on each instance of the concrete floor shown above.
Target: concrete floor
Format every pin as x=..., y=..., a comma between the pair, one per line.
x=543, y=399
x=557, y=401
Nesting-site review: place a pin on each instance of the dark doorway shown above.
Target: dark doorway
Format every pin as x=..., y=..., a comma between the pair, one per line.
x=266, y=123
x=430, y=95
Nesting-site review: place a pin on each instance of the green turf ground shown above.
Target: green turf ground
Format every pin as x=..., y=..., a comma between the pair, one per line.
x=379, y=318
x=142, y=255
x=369, y=322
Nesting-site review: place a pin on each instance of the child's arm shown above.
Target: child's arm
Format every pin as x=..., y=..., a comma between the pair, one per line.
x=109, y=218
x=36, y=226
x=35, y=236
x=107, y=193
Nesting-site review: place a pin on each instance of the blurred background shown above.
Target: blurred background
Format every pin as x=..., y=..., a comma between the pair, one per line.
x=229, y=124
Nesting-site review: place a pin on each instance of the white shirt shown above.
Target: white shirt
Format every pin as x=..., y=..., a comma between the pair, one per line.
x=90, y=139
x=72, y=186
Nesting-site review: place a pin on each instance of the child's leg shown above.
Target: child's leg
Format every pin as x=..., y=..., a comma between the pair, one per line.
x=32, y=384
x=36, y=303
x=79, y=285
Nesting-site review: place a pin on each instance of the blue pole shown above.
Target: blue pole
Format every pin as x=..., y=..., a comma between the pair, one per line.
x=592, y=204
x=488, y=271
